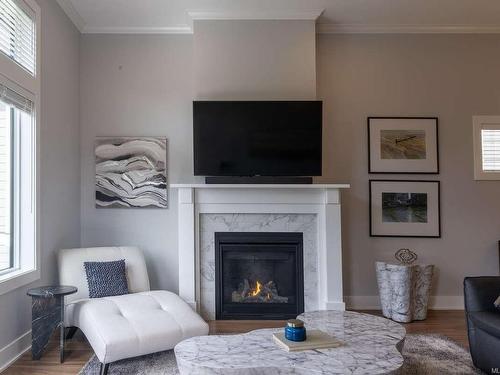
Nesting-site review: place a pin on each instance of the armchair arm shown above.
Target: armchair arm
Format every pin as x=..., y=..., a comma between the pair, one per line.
x=481, y=292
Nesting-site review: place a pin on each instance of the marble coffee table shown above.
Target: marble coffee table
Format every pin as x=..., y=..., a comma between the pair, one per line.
x=370, y=345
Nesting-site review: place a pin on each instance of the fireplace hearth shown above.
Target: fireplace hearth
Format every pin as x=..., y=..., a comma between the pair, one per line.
x=259, y=275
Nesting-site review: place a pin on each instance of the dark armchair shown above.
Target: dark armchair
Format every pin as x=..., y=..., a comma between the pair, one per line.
x=483, y=321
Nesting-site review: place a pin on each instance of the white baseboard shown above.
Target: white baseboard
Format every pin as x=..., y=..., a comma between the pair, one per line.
x=334, y=305
x=446, y=303
x=12, y=351
x=362, y=302
x=435, y=302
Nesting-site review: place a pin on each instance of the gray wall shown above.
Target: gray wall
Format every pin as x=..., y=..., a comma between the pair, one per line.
x=137, y=85
x=59, y=169
x=357, y=76
x=133, y=85
x=450, y=76
x=248, y=59
x=144, y=85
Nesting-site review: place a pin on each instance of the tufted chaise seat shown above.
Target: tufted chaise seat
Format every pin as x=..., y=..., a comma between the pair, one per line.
x=129, y=325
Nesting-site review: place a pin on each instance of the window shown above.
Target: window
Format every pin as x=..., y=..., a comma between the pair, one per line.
x=486, y=147
x=17, y=30
x=6, y=180
x=16, y=180
x=19, y=112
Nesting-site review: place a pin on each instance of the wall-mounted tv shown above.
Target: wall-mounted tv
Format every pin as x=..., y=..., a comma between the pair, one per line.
x=257, y=138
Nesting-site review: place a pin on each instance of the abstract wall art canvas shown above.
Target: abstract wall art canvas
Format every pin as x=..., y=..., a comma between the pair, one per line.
x=131, y=172
x=404, y=208
x=403, y=145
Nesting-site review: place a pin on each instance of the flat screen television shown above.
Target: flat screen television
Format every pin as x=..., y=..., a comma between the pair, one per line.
x=257, y=138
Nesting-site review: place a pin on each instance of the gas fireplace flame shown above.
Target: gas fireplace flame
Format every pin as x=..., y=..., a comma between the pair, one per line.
x=255, y=291
x=266, y=292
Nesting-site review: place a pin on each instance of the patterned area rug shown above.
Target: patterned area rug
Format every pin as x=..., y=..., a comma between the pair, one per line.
x=424, y=355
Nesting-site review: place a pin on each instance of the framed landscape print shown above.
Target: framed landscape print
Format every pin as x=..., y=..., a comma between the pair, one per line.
x=131, y=172
x=403, y=145
x=402, y=208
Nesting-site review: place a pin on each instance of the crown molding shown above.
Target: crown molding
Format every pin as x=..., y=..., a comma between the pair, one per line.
x=320, y=28
x=203, y=15
x=68, y=8
x=72, y=13
x=138, y=30
x=328, y=28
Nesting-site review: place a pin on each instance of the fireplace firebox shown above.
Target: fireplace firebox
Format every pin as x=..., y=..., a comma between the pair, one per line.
x=258, y=275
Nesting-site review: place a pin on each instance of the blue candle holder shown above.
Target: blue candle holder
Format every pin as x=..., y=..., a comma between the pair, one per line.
x=295, y=330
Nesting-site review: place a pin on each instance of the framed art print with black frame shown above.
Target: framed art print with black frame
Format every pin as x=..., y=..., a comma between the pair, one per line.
x=407, y=145
x=405, y=208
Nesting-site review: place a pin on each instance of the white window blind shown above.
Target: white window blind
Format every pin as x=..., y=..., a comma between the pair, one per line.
x=486, y=135
x=17, y=33
x=14, y=99
x=490, y=145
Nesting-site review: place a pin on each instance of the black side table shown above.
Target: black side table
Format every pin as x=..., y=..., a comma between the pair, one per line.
x=47, y=315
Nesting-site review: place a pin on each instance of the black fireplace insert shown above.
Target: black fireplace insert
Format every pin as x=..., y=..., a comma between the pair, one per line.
x=258, y=275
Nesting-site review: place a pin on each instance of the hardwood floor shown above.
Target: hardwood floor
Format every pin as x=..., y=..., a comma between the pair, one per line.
x=448, y=323
x=78, y=352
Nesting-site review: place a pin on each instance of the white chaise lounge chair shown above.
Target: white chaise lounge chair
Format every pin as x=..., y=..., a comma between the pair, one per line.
x=129, y=325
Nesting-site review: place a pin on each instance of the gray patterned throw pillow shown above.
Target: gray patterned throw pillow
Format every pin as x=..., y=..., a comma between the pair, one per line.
x=106, y=278
x=497, y=303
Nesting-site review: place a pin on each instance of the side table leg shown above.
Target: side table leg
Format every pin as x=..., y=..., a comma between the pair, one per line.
x=46, y=317
x=62, y=336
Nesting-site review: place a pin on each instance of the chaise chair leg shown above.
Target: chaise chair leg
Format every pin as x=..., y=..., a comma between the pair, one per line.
x=104, y=368
x=71, y=332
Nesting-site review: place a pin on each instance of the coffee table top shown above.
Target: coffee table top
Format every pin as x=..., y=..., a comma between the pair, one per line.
x=370, y=345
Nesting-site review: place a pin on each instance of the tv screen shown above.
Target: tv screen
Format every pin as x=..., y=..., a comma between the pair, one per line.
x=257, y=138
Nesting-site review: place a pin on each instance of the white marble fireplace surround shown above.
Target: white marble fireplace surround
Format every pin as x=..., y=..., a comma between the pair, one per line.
x=313, y=210
x=240, y=222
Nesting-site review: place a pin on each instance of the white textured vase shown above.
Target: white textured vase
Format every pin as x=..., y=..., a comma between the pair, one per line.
x=404, y=290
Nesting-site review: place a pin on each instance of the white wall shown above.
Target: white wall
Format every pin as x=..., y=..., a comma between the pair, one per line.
x=137, y=85
x=60, y=169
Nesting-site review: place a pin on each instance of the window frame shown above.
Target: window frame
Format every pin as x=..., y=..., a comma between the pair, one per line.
x=19, y=79
x=478, y=124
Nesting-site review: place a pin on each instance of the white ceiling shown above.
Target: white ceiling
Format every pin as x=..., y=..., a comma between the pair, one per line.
x=176, y=16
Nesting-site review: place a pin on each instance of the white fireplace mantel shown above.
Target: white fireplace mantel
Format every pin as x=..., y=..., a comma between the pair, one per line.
x=322, y=200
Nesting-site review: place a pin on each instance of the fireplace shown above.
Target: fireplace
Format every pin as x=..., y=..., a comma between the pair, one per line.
x=258, y=275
